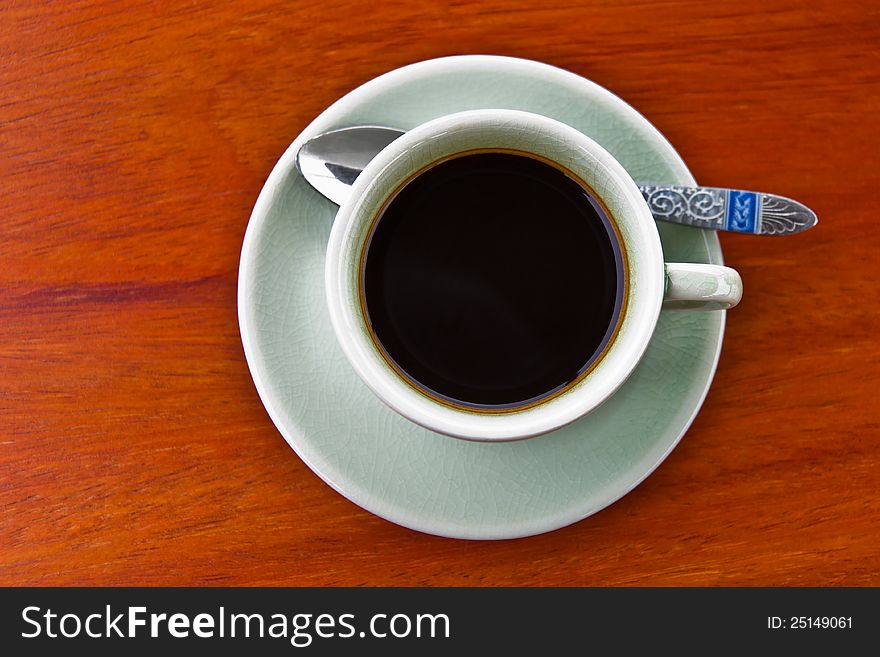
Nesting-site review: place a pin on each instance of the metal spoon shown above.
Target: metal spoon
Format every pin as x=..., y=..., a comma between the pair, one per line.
x=333, y=160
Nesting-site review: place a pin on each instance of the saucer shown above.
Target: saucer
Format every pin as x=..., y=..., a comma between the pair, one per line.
x=385, y=463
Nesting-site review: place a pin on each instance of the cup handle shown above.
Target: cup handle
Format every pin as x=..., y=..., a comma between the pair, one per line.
x=701, y=287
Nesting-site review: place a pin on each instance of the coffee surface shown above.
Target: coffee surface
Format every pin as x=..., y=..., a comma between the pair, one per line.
x=492, y=280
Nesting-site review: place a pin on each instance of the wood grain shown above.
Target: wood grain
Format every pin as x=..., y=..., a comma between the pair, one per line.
x=135, y=137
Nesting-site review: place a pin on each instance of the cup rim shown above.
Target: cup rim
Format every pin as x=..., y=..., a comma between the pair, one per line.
x=535, y=135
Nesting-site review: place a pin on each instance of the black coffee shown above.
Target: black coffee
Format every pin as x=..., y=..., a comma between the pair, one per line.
x=492, y=280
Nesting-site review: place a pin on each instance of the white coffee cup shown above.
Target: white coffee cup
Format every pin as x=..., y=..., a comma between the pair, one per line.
x=650, y=283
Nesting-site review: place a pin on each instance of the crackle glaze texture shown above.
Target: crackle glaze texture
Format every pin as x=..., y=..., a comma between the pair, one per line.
x=389, y=465
x=690, y=286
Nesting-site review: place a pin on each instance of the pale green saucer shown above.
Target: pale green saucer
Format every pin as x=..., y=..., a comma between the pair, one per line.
x=385, y=463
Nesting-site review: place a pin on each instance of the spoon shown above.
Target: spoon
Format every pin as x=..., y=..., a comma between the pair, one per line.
x=333, y=160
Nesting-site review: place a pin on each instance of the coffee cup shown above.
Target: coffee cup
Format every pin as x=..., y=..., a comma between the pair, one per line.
x=496, y=274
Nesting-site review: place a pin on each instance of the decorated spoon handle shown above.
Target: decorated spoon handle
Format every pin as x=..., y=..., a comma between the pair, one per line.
x=728, y=209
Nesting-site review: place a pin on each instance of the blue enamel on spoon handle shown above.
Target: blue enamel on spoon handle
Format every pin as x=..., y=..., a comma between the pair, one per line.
x=735, y=210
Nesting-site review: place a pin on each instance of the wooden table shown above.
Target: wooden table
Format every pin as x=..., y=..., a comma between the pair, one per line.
x=134, y=139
